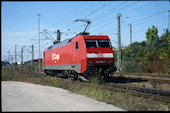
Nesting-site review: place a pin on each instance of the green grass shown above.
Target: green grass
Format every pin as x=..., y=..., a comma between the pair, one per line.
x=92, y=90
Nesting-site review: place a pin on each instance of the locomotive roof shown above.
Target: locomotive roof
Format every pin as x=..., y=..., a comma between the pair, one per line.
x=67, y=41
x=62, y=43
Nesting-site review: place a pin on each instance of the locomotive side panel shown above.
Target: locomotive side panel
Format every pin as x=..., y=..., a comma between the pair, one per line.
x=69, y=57
x=80, y=53
x=61, y=59
x=58, y=56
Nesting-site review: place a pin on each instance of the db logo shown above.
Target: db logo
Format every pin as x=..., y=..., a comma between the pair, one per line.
x=99, y=55
x=55, y=57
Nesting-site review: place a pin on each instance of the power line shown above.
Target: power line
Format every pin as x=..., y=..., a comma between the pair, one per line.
x=140, y=15
x=67, y=15
x=139, y=20
x=86, y=15
x=71, y=17
x=111, y=11
x=116, y=10
x=97, y=9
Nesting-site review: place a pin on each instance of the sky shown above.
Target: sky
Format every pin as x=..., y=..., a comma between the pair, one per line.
x=19, y=22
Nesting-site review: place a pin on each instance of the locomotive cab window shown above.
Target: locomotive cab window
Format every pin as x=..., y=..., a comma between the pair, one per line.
x=77, y=46
x=96, y=43
x=104, y=43
x=90, y=43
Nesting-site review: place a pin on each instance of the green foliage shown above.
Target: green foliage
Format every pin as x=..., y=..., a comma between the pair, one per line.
x=151, y=34
x=134, y=56
x=28, y=66
x=164, y=51
x=115, y=55
x=8, y=74
x=95, y=78
x=150, y=56
x=131, y=67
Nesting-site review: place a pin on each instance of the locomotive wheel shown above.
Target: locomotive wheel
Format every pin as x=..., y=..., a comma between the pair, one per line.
x=54, y=74
x=70, y=76
x=45, y=72
x=73, y=76
x=48, y=73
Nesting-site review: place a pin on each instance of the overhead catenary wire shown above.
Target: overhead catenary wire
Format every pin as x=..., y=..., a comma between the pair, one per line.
x=111, y=12
x=116, y=10
x=139, y=20
x=120, y=9
x=72, y=20
x=84, y=16
x=96, y=10
x=67, y=15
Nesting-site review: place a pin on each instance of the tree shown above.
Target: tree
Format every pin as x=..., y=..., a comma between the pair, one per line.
x=148, y=56
x=151, y=34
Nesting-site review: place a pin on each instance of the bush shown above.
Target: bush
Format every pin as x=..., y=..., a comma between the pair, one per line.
x=131, y=67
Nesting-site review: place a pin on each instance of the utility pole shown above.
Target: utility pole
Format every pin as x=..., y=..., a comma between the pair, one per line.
x=9, y=56
x=11, y=61
x=32, y=61
x=130, y=34
x=22, y=58
x=168, y=20
x=15, y=55
x=119, y=66
x=39, y=38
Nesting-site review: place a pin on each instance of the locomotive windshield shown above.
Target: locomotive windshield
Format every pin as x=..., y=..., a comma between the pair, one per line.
x=100, y=43
x=90, y=43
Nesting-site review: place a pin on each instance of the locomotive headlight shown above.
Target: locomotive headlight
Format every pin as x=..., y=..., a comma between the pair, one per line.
x=109, y=61
x=90, y=62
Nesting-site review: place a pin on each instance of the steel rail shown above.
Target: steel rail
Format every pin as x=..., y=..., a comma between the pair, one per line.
x=140, y=91
x=151, y=78
x=145, y=74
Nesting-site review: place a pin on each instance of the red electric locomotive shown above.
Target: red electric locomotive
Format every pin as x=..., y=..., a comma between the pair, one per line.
x=79, y=56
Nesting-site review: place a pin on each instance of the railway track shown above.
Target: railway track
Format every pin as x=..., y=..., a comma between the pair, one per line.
x=119, y=87
x=148, y=77
x=139, y=91
x=30, y=73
